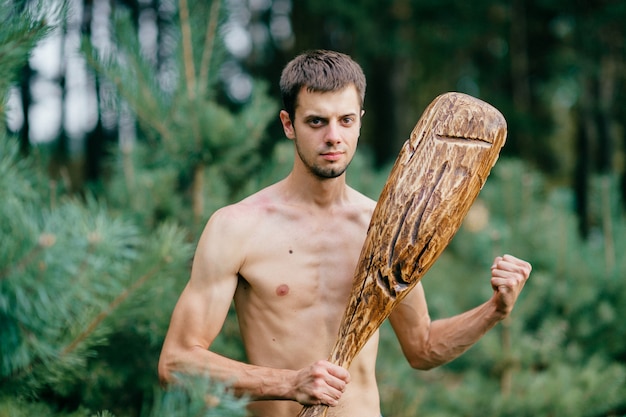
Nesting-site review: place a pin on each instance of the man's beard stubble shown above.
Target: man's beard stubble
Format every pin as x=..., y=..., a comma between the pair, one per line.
x=319, y=171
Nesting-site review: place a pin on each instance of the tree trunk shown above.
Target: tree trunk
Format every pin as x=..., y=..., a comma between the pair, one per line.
x=24, y=136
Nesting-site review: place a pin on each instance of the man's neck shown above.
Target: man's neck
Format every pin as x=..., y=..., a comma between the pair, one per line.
x=307, y=188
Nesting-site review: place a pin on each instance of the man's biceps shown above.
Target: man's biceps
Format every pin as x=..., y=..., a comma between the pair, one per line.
x=209, y=271
x=411, y=315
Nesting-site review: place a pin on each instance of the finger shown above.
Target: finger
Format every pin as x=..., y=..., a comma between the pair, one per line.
x=507, y=285
x=339, y=372
x=496, y=261
x=513, y=275
x=329, y=395
x=525, y=266
x=332, y=400
x=501, y=284
x=336, y=384
x=506, y=268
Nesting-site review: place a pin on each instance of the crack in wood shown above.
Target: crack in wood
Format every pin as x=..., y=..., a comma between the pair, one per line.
x=463, y=140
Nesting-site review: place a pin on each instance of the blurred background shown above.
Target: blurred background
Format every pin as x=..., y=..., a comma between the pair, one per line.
x=125, y=124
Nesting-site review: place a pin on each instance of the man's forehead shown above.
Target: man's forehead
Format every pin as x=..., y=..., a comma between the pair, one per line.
x=344, y=101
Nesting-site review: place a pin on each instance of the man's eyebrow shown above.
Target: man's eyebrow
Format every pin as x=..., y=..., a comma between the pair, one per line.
x=317, y=116
x=314, y=116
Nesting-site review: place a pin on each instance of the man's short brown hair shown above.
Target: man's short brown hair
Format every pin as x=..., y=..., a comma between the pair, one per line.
x=319, y=71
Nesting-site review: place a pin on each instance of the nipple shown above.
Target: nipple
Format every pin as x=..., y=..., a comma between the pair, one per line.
x=282, y=290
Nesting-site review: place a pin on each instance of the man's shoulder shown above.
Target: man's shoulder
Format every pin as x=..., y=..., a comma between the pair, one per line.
x=365, y=203
x=233, y=225
x=246, y=211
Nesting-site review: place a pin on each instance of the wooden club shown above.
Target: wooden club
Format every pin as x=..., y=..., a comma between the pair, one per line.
x=437, y=176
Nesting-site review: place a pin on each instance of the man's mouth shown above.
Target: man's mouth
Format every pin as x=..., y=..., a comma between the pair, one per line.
x=332, y=156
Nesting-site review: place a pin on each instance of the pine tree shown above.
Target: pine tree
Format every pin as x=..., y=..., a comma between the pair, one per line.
x=18, y=37
x=82, y=287
x=193, y=154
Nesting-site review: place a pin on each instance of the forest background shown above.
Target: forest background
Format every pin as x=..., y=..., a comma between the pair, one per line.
x=125, y=124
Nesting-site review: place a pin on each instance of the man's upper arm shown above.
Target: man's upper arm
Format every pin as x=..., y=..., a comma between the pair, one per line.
x=203, y=305
x=411, y=323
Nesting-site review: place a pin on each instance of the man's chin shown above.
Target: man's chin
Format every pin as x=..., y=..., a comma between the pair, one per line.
x=328, y=173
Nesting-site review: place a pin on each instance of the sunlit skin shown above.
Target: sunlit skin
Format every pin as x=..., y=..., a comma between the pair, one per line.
x=287, y=255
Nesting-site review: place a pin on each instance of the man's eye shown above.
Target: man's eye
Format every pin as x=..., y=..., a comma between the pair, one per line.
x=348, y=120
x=315, y=122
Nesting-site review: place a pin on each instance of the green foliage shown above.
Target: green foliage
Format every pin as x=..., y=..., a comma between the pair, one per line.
x=194, y=396
x=21, y=31
x=194, y=154
x=190, y=399
x=18, y=407
x=77, y=283
x=72, y=277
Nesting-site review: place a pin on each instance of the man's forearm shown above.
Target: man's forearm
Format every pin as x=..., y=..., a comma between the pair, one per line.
x=259, y=383
x=448, y=338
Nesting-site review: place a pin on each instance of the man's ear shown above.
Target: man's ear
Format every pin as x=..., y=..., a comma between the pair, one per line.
x=288, y=128
x=361, y=118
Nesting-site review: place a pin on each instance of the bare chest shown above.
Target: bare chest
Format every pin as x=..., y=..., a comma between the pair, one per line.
x=294, y=286
x=303, y=260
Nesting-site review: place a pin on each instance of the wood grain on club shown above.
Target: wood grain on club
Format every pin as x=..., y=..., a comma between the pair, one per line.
x=434, y=181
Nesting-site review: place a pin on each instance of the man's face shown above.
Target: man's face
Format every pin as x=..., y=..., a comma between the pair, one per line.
x=326, y=130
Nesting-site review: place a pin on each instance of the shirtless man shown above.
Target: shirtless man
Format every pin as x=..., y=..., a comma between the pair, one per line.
x=287, y=256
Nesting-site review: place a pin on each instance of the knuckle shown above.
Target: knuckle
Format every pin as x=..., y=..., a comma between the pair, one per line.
x=318, y=383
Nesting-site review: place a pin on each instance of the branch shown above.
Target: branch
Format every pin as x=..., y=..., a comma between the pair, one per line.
x=143, y=112
x=209, y=40
x=190, y=70
x=187, y=48
x=45, y=241
x=105, y=313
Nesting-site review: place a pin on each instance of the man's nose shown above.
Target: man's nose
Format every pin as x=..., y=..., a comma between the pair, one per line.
x=333, y=135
